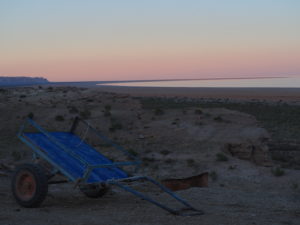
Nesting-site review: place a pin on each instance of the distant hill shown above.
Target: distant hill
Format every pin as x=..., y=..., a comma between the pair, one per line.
x=17, y=81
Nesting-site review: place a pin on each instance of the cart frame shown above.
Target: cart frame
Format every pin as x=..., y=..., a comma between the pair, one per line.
x=38, y=152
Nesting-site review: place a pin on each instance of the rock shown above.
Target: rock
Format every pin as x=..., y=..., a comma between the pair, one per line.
x=141, y=136
x=252, y=145
x=258, y=154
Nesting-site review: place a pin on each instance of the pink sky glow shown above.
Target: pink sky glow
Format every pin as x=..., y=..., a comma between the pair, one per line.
x=64, y=40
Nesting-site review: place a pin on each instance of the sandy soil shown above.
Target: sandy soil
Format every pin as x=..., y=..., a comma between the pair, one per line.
x=172, y=144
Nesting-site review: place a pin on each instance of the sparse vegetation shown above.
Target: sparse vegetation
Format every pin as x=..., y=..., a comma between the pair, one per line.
x=207, y=114
x=218, y=119
x=221, y=157
x=115, y=125
x=85, y=114
x=279, y=157
x=280, y=119
x=107, y=107
x=158, y=111
x=198, y=123
x=132, y=152
x=295, y=186
x=104, y=145
x=73, y=110
x=175, y=121
x=59, y=118
x=165, y=152
x=198, y=111
x=278, y=172
x=16, y=155
x=168, y=161
x=213, y=175
x=190, y=162
x=232, y=167
x=30, y=115
x=148, y=159
x=106, y=111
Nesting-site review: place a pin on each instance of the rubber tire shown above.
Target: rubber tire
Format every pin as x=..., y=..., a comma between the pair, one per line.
x=41, y=183
x=93, y=190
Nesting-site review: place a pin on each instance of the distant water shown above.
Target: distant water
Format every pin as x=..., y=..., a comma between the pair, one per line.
x=234, y=83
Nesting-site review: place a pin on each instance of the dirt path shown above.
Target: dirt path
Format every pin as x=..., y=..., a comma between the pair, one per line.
x=222, y=205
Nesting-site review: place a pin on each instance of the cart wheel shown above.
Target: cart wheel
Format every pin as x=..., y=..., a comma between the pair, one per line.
x=29, y=185
x=93, y=190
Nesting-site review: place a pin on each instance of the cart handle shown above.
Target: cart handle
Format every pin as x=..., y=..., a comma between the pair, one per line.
x=103, y=137
x=180, y=212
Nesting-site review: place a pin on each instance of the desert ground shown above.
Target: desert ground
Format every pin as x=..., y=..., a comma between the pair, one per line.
x=247, y=141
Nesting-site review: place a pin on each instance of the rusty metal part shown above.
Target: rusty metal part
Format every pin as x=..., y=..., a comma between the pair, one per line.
x=200, y=180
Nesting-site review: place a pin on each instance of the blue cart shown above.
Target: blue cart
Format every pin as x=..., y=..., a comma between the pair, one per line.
x=68, y=154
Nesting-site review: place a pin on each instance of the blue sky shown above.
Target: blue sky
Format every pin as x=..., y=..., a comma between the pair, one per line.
x=100, y=40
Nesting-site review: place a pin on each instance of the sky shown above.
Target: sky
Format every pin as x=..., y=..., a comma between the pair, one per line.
x=95, y=40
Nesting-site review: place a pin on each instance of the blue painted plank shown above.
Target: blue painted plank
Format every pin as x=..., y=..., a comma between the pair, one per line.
x=71, y=164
